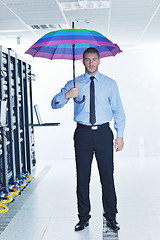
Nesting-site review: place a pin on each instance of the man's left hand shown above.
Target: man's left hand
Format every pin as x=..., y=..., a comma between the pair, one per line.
x=119, y=144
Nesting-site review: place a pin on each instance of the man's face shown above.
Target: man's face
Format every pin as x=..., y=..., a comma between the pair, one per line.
x=91, y=62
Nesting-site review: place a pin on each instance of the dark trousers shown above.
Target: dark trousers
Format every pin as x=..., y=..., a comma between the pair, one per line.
x=87, y=142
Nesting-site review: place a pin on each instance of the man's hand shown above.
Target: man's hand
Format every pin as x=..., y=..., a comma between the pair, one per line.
x=119, y=143
x=72, y=93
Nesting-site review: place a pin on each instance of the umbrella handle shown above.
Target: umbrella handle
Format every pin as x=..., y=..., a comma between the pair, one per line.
x=81, y=100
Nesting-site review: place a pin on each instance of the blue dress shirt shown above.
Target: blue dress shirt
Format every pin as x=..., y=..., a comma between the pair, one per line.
x=107, y=101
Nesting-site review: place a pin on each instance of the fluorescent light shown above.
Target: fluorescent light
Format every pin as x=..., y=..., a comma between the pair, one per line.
x=84, y=4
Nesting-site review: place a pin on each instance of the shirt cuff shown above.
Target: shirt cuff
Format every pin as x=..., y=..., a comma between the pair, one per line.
x=119, y=134
x=58, y=102
x=61, y=101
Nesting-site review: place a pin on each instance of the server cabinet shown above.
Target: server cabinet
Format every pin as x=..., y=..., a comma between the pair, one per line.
x=17, y=154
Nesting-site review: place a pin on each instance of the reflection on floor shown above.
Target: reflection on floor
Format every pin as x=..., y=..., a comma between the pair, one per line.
x=109, y=234
x=47, y=209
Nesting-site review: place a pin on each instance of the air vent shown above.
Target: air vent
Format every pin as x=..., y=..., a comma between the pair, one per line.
x=35, y=27
x=45, y=26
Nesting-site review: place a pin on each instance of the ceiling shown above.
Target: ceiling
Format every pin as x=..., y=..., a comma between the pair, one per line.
x=127, y=23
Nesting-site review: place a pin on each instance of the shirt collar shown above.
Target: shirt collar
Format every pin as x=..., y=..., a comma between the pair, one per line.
x=87, y=76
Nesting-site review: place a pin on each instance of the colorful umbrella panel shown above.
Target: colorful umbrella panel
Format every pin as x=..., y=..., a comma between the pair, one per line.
x=59, y=44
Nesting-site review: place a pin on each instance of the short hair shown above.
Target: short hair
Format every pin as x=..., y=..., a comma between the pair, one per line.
x=90, y=50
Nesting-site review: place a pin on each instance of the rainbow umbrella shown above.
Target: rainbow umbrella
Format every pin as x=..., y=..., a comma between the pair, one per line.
x=70, y=44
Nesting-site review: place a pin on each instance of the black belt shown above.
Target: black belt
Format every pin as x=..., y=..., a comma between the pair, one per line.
x=93, y=127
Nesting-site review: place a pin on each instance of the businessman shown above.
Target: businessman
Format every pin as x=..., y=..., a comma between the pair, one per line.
x=93, y=135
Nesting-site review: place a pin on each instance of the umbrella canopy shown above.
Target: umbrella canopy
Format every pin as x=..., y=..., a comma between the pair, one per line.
x=70, y=44
x=59, y=44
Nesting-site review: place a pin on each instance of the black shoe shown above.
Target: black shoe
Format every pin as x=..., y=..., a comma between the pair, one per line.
x=113, y=224
x=81, y=225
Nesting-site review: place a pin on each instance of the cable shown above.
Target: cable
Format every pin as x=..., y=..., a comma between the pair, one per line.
x=4, y=208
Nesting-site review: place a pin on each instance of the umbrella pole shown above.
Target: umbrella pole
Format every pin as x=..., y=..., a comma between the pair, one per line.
x=73, y=46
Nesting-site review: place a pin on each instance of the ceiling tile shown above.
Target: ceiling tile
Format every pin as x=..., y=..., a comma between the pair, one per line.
x=34, y=7
x=152, y=31
x=129, y=18
x=11, y=25
x=126, y=22
x=95, y=19
x=6, y=14
x=13, y=2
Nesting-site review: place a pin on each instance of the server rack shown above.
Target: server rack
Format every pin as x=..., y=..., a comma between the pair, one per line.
x=17, y=152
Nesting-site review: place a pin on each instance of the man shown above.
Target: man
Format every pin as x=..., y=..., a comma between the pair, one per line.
x=93, y=134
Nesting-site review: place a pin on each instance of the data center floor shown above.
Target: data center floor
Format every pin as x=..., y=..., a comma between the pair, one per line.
x=46, y=209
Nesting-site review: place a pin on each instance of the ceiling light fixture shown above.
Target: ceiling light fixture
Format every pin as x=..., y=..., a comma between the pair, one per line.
x=84, y=4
